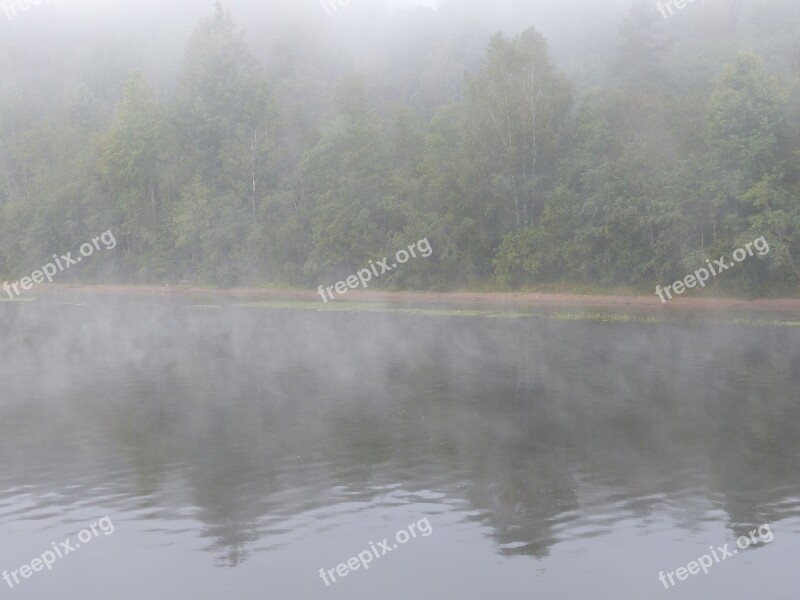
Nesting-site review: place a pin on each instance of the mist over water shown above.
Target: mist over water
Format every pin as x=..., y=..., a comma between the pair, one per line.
x=399, y=299
x=245, y=448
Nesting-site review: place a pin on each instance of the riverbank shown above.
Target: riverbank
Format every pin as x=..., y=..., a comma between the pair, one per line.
x=789, y=305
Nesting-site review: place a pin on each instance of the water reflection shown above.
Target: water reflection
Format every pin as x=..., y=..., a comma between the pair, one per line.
x=254, y=422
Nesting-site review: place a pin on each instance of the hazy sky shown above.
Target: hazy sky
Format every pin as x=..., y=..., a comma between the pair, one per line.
x=410, y=3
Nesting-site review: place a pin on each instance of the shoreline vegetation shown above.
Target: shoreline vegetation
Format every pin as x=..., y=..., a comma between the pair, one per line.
x=235, y=159
x=480, y=299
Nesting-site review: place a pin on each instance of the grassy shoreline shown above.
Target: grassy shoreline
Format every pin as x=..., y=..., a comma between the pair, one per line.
x=523, y=299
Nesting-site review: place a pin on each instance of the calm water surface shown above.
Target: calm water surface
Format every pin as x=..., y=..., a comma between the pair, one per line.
x=239, y=450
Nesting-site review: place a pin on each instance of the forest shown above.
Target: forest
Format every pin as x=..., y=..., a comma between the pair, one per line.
x=290, y=149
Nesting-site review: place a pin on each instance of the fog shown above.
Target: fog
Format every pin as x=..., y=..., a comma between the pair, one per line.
x=281, y=280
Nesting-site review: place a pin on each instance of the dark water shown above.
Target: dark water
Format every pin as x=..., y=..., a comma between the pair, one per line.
x=237, y=451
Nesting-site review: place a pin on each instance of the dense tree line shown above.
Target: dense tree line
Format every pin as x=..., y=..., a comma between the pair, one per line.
x=236, y=172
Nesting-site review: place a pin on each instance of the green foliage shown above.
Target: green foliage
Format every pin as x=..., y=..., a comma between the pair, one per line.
x=235, y=175
x=515, y=108
x=747, y=118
